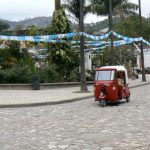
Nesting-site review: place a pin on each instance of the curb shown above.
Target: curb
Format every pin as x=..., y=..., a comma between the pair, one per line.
x=59, y=102
x=136, y=86
x=45, y=103
x=42, y=85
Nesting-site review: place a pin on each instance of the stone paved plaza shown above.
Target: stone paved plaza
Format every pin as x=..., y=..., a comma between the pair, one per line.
x=82, y=125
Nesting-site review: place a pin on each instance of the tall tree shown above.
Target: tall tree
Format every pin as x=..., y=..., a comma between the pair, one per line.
x=61, y=54
x=141, y=46
x=60, y=22
x=78, y=9
x=130, y=26
x=19, y=30
x=82, y=60
x=32, y=30
x=119, y=7
x=125, y=9
x=3, y=26
x=57, y=4
x=73, y=6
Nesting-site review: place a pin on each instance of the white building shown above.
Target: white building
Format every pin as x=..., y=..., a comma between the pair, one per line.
x=146, y=58
x=88, y=60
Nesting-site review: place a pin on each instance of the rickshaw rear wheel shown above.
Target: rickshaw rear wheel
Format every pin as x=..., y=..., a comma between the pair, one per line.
x=103, y=103
x=128, y=98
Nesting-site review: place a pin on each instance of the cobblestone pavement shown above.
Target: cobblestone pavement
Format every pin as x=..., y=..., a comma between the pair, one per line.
x=82, y=125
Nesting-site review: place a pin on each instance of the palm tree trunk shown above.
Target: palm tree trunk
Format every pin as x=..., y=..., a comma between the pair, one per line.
x=82, y=59
x=110, y=29
x=57, y=4
x=142, y=54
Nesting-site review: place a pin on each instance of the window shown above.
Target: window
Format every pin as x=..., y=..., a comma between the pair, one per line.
x=105, y=75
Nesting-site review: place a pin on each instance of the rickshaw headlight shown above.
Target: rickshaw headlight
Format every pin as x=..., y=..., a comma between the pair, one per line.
x=101, y=94
x=114, y=88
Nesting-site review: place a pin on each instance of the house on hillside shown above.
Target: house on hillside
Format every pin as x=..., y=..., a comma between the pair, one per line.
x=101, y=32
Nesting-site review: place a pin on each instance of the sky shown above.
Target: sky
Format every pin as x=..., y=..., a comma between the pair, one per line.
x=16, y=10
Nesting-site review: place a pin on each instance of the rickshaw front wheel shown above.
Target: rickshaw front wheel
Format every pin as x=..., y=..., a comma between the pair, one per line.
x=103, y=102
x=128, y=98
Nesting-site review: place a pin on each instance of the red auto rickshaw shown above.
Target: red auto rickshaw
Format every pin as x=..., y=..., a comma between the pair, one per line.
x=111, y=84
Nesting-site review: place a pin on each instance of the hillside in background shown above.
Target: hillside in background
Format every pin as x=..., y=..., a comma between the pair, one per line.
x=46, y=21
x=37, y=21
x=95, y=27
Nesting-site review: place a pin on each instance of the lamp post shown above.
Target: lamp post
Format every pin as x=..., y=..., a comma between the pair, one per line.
x=141, y=46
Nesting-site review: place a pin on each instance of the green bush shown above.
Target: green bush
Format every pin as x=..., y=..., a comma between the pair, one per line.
x=2, y=75
x=48, y=74
x=90, y=75
x=15, y=75
x=73, y=76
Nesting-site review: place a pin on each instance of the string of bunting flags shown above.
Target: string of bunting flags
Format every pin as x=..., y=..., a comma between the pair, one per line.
x=146, y=42
x=93, y=37
x=102, y=46
x=97, y=49
x=63, y=38
x=127, y=38
x=116, y=43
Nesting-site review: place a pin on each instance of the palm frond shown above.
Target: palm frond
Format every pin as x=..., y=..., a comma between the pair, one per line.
x=73, y=6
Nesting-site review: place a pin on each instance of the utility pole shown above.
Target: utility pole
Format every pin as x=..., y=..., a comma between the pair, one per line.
x=82, y=59
x=141, y=46
x=111, y=35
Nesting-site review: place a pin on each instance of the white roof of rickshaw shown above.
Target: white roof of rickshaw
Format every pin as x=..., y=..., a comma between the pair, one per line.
x=119, y=68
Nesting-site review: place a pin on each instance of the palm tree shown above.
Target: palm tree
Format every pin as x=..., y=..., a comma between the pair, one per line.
x=141, y=33
x=120, y=8
x=73, y=6
x=125, y=9
x=82, y=60
x=57, y=4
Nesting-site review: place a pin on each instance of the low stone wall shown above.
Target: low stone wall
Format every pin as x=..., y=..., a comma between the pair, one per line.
x=42, y=85
x=15, y=87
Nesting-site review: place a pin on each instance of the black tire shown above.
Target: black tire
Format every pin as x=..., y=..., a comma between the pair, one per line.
x=128, y=98
x=103, y=103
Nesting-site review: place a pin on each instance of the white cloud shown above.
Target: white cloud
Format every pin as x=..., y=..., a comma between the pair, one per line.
x=21, y=9
x=145, y=4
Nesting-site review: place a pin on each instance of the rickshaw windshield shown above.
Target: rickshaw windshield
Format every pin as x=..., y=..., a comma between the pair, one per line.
x=105, y=75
